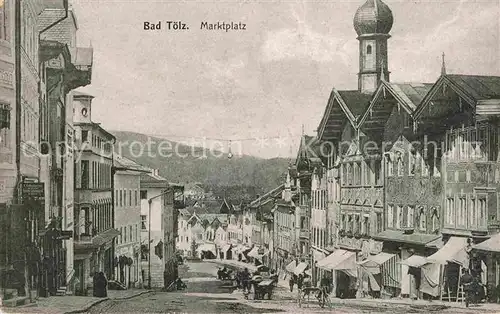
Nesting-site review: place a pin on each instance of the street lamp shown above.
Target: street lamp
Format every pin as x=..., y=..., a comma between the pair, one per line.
x=150, y=201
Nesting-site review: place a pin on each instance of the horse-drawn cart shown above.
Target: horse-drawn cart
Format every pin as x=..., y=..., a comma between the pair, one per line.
x=262, y=288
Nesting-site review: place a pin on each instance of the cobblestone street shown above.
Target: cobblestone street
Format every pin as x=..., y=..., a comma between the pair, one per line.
x=205, y=294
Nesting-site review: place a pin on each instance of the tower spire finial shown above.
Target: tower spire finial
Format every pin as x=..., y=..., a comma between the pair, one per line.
x=302, y=130
x=443, y=66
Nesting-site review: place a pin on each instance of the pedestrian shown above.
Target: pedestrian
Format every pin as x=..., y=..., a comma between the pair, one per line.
x=245, y=278
x=95, y=284
x=300, y=281
x=237, y=278
x=467, y=281
x=291, y=282
x=180, y=284
x=307, y=281
x=103, y=285
x=324, y=286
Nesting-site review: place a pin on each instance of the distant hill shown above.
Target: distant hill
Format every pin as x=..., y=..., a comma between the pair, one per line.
x=248, y=171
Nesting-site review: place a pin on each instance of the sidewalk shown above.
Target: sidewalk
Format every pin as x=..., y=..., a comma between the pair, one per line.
x=73, y=304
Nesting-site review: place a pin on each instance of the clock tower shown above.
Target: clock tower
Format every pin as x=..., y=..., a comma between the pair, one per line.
x=82, y=104
x=372, y=22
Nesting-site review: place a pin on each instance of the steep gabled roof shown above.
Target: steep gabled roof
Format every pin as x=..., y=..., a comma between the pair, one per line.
x=197, y=210
x=342, y=107
x=474, y=89
x=222, y=218
x=228, y=205
x=407, y=95
x=127, y=164
x=269, y=195
x=194, y=219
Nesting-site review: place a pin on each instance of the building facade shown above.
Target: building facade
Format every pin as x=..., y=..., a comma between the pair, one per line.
x=94, y=206
x=152, y=185
x=127, y=217
x=467, y=161
x=24, y=189
x=173, y=201
x=160, y=205
x=63, y=73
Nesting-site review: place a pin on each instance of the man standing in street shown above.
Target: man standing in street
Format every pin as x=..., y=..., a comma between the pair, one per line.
x=467, y=281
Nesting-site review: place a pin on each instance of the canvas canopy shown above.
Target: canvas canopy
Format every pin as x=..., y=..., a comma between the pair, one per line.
x=206, y=247
x=291, y=266
x=373, y=262
x=415, y=261
x=453, y=251
x=490, y=245
x=300, y=268
x=254, y=252
x=339, y=260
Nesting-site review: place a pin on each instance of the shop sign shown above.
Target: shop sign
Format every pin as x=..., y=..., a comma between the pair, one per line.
x=31, y=190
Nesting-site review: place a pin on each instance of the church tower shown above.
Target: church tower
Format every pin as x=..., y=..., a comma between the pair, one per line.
x=372, y=22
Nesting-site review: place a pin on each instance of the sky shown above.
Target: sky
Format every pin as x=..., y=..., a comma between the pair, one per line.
x=272, y=79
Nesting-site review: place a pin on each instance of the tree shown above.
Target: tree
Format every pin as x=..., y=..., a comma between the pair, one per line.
x=194, y=246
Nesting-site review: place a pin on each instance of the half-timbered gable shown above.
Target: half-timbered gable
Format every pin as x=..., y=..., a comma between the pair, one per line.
x=459, y=119
x=411, y=194
x=465, y=110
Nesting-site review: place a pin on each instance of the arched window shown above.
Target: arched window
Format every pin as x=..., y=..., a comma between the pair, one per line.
x=422, y=218
x=435, y=219
x=369, y=50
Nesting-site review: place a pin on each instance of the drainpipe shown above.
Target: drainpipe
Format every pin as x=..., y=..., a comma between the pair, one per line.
x=17, y=60
x=113, y=171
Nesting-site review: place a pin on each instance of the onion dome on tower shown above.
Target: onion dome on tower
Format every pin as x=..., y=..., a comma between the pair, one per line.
x=373, y=17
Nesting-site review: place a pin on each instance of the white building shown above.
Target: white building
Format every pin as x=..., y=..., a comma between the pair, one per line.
x=152, y=185
x=127, y=218
x=184, y=231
